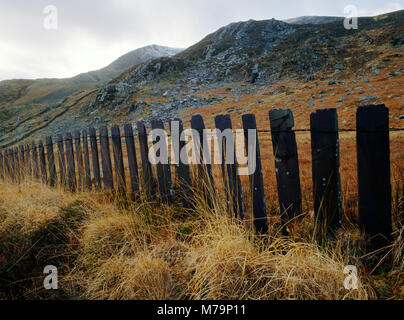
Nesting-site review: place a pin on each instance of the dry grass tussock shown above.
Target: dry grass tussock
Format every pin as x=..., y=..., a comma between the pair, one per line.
x=112, y=248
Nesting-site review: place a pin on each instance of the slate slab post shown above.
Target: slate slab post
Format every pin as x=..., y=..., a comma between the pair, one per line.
x=229, y=165
x=325, y=172
x=205, y=178
x=286, y=165
x=42, y=162
x=87, y=169
x=373, y=152
x=35, y=163
x=118, y=159
x=62, y=161
x=183, y=171
x=71, y=168
x=147, y=173
x=106, y=159
x=163, y=166
x=51, y=161
x=95, y=158
x=256, y=180
x=132, y=161
x=79, y=159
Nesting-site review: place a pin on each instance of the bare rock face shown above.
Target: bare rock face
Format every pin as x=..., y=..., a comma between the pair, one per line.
x=111, y=97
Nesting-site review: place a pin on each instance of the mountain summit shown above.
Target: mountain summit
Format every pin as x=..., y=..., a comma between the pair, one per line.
x=125, y=62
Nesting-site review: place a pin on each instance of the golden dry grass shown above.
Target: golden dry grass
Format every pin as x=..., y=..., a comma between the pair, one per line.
x=118, y=249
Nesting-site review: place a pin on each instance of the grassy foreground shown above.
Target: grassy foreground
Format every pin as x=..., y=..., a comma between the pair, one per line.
x=111, y=248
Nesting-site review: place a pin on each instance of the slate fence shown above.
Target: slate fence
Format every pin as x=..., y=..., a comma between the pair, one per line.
x=80, y=168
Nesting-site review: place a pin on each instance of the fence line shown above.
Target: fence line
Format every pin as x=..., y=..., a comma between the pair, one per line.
x=76, y=171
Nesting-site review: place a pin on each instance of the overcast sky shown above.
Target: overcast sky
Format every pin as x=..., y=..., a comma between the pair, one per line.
x=91, y=34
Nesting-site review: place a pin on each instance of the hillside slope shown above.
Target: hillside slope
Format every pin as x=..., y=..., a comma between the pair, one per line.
x=243, y=67
x=22, y=99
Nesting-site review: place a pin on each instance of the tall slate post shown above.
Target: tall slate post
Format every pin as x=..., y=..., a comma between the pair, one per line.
x=373, y=152
x=286, y=165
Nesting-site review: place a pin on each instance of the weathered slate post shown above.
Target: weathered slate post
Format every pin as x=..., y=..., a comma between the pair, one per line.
x=106, y=159
x=71, y=168
x=286, y=165
x=51, y=161
x=42, y=162
x=205, y=178
x=132, y=161
x=163, y=166
x=35, y=164
x=87, y=170
x=62, y=161
x=256, y=179
x=23, y=167
x=231, y=178
x=28, y=159
x=147, y=173
x=17, y=165
x=11, y=167
x=373, y=152
x=325, y=170
x=79, y=159
x=10, y=162
x=6, y=164
x=118, y=159
x=1, y=165
x=95, y=159
x=181, y=163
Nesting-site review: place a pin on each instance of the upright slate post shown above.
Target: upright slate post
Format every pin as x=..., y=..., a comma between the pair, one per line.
x=6, y=164
x=13, y=164
x=256, y=179
x=132, y=161
x=62, y=161
x=106, y=159
x=1, y=165
x=17, y=167
x=95, y=159
x=373, y=152
x=163, y=169
x=231, y=178
x=51, y=162
x=325, y=170
x=79, y=159
x=286, y=165
x=204, y=168
x=28, y=159
x=182, y=169
x=87, y=170
x=147, y=172
x=23, y=166
x=35, y=164
x=71, y=168
x=42, y=162
x=118, y=159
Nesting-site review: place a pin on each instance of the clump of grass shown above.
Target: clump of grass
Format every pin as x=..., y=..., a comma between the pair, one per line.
x=108, y=249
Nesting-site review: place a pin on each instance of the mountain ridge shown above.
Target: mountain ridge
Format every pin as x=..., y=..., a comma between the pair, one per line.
x=50, y=90
x=242, y=57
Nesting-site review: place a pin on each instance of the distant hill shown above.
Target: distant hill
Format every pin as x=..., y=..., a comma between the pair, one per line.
x=125, y=62
x=48, y=91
